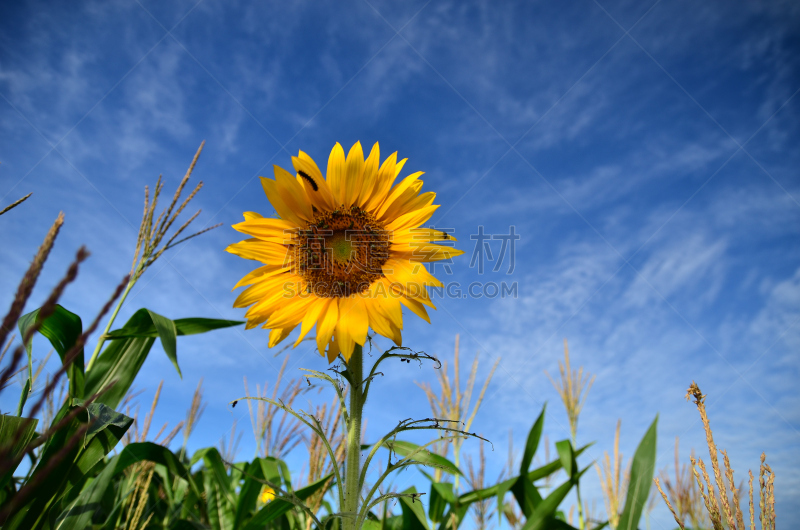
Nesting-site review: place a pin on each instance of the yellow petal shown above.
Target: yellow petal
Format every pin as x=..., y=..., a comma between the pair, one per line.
x=385, y=179
x=292, y=312
x=322, y=197
x=333, y=350
x=326, y=324
x=261, y=273
x=264, y=251
x=353, y=324
x=278, y=334
x=282, y=293
x=411, y=282
x=403, y=272
x=386, y=301
x=293, y=193
x=283, y=209
x=252, y=215
x=416, y=307
x=312, y=316
x=269, y=229
x=412, y=219
x=354, y=173
x=409, y=204
x=264, y=289
x=420, y=235
x=399, y=167
x=335, y=179
x=380, y=323
x=423, y=252
x=370, y=177
x=398, y=191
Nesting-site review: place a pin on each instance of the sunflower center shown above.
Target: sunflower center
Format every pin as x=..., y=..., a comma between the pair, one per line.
x=341, y=245
x=340, y=253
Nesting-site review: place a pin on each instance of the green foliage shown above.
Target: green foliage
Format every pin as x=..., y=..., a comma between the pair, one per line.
x=62, y=328
x=642, y=469
x=423, y=456
x=123, y=358
x=76, y=482
x=72, y=482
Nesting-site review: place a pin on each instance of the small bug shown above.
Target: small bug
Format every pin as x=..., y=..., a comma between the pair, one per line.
x=309, y=179
x=233, y=405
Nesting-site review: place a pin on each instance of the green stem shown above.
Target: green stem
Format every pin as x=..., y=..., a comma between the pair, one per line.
x=102, y=338
x=355, y=367
x=581, y=522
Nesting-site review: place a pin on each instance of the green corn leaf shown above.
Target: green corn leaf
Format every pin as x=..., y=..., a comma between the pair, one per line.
x=394, y=522
x=278, y=507
x=558, y=524
x=567, y=457
x=260, y=469
x=502, y=490
x=119, y=364
x=413, y=512
x=532, y=443
x=524, y=490
x=642, y=468
x=415, y=452
x=554, y=466
x=78, y=514
x=458, y=512
x=215, y=468
x=527, y=495
x=26, y=390
x=218, y=506
x=183, y=326
x=66, y=459
x=62, y=328
x=544, y=513
x=186, y=524
x=129, y=346
x=371, y=525
x=538, y=473
x=441, y=495
x=15, y=434
x=167, y=332
x=248, y=496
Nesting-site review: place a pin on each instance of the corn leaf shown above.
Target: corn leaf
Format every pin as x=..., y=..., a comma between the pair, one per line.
x=276, y=508
x=62, y=328
x=183, y=326
x=567, y=457
x=79, y=514
x=532, y=442
x=413, y=512
x=167, y=332
x=425, y=457
x=65, y=460
x=642, y=469
x=441, y=495
x=15, y=434
x=543, y=516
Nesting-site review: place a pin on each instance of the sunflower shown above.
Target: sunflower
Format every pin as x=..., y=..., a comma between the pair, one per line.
x=345, y=253
x=267, y=494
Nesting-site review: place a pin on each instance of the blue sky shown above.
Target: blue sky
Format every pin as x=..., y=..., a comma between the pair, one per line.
x=643, y=151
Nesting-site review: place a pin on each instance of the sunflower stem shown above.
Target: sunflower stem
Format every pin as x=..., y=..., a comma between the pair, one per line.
x=353, y=460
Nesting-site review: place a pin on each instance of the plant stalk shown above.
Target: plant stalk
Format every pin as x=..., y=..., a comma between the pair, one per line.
x=102, y=338
x=353, y=460
x=581, y=522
